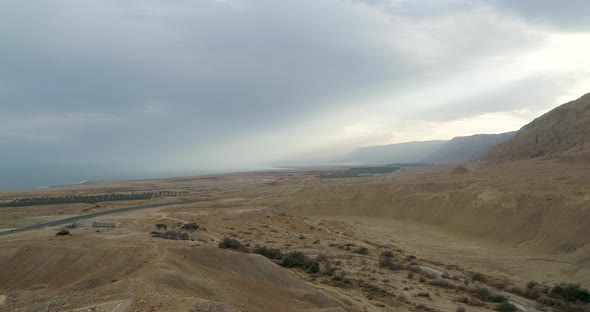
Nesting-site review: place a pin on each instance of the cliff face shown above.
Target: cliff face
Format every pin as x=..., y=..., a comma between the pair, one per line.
x=564, y=132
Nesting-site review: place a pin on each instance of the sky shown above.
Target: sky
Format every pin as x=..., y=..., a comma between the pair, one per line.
x=189, y=85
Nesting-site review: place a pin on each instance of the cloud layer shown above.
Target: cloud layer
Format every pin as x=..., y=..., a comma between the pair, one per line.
x=193, y=84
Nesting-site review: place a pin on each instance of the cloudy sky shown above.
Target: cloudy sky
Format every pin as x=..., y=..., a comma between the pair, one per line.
x=244, y=83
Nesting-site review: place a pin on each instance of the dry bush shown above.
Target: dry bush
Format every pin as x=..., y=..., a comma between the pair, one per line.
x=478, y=277
x=506, y=306
x=270, y=253
x=172, y=234
x=362, y=250
x=230, y=243
x=387, y=261
x=62, y=232
x=299, y=259
x=190, y=226
x=442, y=284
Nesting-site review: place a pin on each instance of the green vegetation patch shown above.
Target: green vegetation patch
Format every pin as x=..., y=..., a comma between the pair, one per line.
x=87, y=199
x=570, y=292
x=358, y=171
x=299, y=259
x=229, y=243
x=411, y=165
x=270, y=253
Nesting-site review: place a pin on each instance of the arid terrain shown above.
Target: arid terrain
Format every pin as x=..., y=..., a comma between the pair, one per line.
x=421, y=239
x=295, y=156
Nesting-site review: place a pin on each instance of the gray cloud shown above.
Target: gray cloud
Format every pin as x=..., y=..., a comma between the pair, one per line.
x=158, y=82
x=572, y=15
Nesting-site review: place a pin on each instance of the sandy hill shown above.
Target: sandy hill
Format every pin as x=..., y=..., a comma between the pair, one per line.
x=111, y=275
x=459, y=149
x=564, y=133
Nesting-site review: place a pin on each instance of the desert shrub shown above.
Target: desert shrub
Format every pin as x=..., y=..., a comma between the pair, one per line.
x=311, y=266
x=294, y=259
x=442, y=284
x=161, y=226
x=329, y=271
x=298, y=259
x=506, y=306
x=460, y=309
x=387, y=254
x=570, y=292
x=322, y=258
x=229, y=243
x=270, y=253
x=386, y=261
x=485, y=295
x=498, y=298
x=341, y=279
x=423, y=294
x=190, y=226
x=172, y=234
x=362, y=250
x=62, y=232
x=531, y=284
x=531, y=294
x=478, y=277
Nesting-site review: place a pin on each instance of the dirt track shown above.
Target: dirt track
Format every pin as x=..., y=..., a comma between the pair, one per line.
x=93, y=215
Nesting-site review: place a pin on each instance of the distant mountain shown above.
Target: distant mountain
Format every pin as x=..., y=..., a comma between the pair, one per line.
x=563, y=132
x=459, y=149
x=467, y=148
x=394, y=153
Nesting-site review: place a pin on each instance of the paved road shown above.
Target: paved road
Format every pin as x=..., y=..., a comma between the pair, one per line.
x=96, y=214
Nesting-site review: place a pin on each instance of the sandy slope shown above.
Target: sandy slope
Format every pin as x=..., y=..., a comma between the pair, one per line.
x=154, y=276
x=541, y=207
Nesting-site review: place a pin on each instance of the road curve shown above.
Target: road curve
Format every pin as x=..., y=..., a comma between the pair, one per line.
x=95, y=214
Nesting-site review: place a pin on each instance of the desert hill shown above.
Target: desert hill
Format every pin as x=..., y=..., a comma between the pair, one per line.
x=459, y=149
x=564, y=133
x=87, y=272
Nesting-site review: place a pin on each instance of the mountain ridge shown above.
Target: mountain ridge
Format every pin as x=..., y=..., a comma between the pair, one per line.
x=563, y=132
x=456, y=150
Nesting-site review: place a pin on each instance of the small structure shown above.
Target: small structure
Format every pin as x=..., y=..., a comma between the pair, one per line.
x=91, y=224
x=98, y=224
